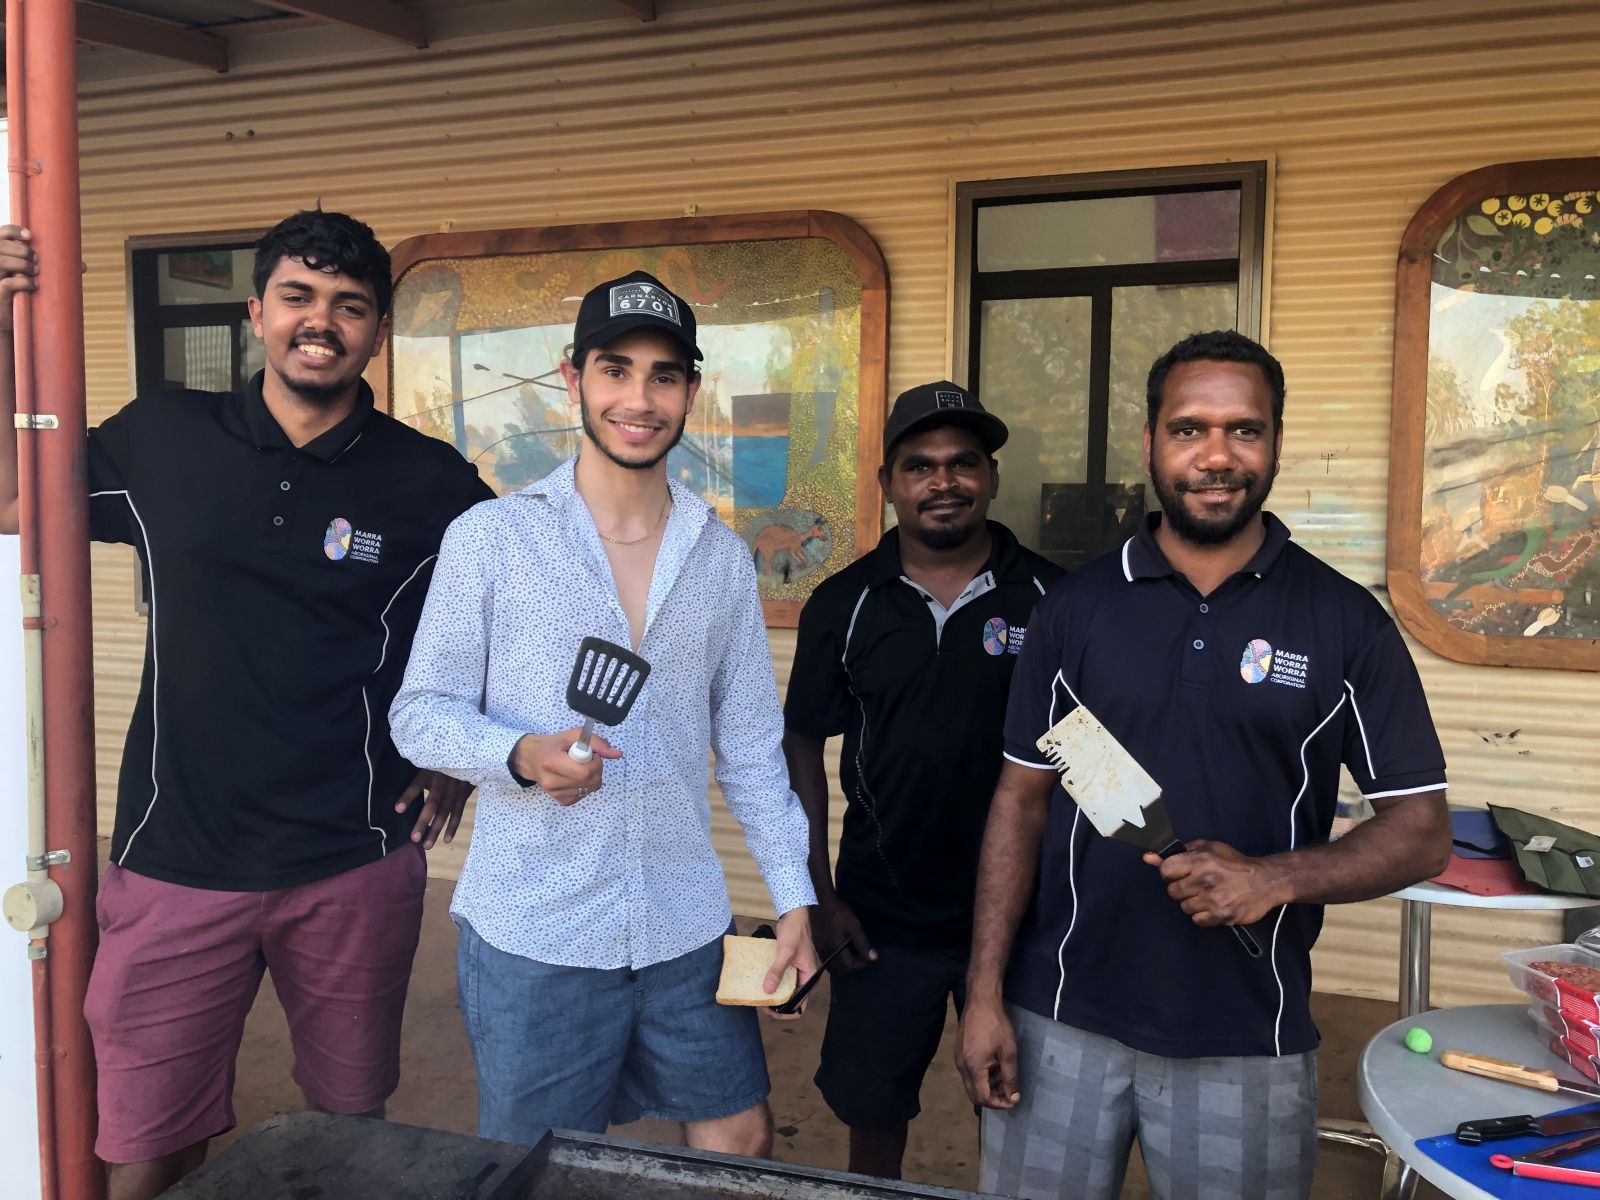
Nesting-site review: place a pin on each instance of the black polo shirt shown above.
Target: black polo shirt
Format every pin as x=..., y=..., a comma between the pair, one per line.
x=1242, y=705
x=921, y=704
x=285, y=587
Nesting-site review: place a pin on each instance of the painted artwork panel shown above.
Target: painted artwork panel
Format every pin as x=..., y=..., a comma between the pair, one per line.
x=772, y=442
x=1511, y=509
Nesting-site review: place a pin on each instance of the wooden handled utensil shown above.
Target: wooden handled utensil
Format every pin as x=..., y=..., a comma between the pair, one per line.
x=605, y=682
x=1115, y=792
x=1511, y=1072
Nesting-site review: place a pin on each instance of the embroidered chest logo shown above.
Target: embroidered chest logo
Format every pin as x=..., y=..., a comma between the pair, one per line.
x=342, y=540
x=643, y=297
x=1260, y=663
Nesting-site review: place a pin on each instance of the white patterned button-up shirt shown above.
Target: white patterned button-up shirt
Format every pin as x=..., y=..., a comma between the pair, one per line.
x=626, y=876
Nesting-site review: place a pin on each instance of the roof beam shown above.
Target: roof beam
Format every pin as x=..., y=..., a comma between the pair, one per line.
x=383, y=17
x=145, y=35
x=645, y=10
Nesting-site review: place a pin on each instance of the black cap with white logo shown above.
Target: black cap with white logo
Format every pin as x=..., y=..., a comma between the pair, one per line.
x=943, y=403
x=635, y=301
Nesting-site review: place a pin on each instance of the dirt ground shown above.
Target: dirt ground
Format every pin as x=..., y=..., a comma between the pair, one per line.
x=437, y=1087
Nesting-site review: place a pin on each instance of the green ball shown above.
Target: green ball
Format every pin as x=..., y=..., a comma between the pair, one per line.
x=1419, y=1040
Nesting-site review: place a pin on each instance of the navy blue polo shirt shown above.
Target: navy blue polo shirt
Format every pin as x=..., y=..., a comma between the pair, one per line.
x=1242, y=705
x=285, y=587
x=919, y=693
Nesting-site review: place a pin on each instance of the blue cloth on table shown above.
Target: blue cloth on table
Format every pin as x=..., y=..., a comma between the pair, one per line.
x=1471, y=1163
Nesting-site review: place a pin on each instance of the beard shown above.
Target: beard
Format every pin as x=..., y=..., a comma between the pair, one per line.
x=942, y=536
x=319, y=393
x=1199, y=531
x=591, y=430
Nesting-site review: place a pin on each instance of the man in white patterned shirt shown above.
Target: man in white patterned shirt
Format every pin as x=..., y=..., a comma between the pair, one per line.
x=592, y=905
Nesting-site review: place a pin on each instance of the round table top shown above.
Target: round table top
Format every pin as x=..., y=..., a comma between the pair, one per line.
x=1406, y=1096
x=1437, y=893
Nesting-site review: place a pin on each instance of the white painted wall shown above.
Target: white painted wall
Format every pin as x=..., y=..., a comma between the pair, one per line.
x=19, y=1131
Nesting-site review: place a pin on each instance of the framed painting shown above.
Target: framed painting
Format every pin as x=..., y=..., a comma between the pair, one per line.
x=786, y=434
x=1494, y=483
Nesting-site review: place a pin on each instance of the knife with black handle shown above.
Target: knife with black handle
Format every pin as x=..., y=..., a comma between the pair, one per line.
x=1471, y=1133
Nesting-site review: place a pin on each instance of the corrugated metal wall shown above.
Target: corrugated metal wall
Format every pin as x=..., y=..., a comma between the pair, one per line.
x=874, y=110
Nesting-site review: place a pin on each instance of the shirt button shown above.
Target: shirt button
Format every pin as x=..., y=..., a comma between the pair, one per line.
x=284, y=486
x=1199, y=645
x=1203, y=607
x=277, y=520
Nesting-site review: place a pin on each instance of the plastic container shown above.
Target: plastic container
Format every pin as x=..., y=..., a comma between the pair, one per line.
x=1582, y=1034
x=1573, y=1002
x=1568, y=1052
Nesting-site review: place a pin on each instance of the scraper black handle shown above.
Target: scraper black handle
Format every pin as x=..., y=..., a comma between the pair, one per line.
x=1246, y=938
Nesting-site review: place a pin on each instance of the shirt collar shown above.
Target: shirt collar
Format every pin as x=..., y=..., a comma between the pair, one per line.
x=327, y=446
x=560, y=488
x=1005, y=557
x=1142, y=557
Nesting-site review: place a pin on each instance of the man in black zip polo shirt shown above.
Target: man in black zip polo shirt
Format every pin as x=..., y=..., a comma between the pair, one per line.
x=1240, y=672
x=262, y=820
x=908, y=652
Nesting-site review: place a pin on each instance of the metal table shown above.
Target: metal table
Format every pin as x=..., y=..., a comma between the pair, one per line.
x=1406, y=1096
x=1416, y=928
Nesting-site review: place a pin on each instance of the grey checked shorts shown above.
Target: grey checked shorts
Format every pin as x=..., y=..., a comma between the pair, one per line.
x=1208, y=1128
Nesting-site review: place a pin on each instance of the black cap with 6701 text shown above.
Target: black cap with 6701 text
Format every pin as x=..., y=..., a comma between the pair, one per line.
x=943, y=403
x=635, y=301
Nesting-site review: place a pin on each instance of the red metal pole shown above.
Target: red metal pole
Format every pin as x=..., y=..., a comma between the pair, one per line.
x=27, y=494
x=49, y=180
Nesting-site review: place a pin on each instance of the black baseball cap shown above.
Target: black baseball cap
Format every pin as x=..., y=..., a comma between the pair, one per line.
x=635, y=301
x=943, y=403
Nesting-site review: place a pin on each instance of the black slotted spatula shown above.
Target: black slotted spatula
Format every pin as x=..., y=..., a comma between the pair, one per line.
x=605, y=682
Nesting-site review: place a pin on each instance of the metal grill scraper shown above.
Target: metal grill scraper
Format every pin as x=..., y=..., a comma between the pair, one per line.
x=1115, y=792
x=605, y=682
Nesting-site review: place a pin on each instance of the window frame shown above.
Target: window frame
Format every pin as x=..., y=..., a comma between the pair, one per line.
x=149, y=319
x=973, y=287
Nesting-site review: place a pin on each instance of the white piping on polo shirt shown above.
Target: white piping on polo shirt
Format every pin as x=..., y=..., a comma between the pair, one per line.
x=1072, y=861
x=1372, y=772
x=863, y=794
x=1127, y=571
x=155, y=680
x=1305, y=784
x=383, y=654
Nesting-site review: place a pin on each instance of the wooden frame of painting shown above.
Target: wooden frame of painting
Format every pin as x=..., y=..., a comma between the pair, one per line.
x=1494, y=477
x=782, y=364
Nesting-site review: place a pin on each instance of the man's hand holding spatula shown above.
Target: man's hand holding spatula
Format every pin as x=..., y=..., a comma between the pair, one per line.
x=544, y=758
x=1216, y=885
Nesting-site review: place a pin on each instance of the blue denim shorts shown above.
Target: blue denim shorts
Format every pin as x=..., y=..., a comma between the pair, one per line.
x=579, y=1048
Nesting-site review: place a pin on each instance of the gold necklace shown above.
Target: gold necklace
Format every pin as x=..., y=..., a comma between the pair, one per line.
x=654, y=529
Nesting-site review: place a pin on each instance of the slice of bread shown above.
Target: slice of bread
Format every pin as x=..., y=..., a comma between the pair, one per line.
x=745, y=963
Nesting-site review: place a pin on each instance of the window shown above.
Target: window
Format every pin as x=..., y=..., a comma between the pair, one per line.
x=190, y=325
x=1068, y=288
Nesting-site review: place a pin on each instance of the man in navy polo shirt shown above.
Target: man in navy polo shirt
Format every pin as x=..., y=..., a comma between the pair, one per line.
x=1241, y=672
x=909, y=653
x=288, y=534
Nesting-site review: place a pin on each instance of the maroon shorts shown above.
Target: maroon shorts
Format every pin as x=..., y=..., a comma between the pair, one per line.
x=177, y=971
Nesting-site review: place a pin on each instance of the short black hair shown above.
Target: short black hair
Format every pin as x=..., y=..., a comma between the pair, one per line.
x=892, y=450
x=1219, y=345
x=326, y=241
x=578, y=357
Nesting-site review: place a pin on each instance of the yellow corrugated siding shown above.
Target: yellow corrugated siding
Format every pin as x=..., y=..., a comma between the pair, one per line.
x=873, y=109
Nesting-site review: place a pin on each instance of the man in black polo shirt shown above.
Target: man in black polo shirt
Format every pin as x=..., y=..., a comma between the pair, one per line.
x=1240, y=672
x=908, y=652
x=287, y=535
